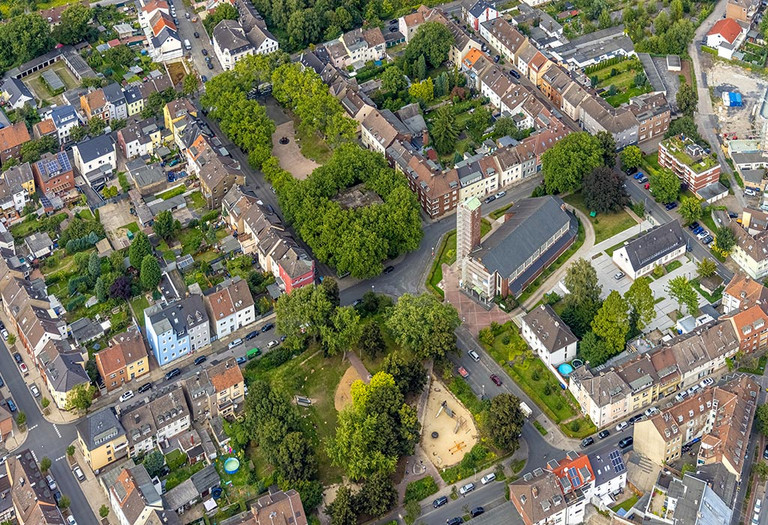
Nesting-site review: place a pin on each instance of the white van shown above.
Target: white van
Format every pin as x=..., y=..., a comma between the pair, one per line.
x=187, y=45
x=474, y=355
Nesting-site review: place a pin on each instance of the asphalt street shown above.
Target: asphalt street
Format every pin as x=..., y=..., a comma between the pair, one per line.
x=488, y=496
x=187, y=31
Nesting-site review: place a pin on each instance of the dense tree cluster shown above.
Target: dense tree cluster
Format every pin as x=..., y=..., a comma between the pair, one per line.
x=224, y=11
x=354, y=240
x=567, y=163
x=23, y=38
x=424, y=325
x=604, y=190
x=432, y=41
x=75, y=24
x=664, y=185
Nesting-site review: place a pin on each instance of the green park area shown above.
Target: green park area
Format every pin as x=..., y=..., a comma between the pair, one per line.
x=606, y=225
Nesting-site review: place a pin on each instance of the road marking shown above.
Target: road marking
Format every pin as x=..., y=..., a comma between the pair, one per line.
x=60, y=458
x=34, y=456
x=57, y=430
x=30, y=429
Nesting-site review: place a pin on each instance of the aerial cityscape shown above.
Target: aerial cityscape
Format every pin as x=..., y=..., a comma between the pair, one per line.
x=271, y=262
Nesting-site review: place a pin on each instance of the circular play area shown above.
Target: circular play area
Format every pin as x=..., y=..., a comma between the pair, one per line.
x=231, y=465
x=448, y=430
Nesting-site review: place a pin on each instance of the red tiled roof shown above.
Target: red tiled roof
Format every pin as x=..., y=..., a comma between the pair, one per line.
x=728, y=28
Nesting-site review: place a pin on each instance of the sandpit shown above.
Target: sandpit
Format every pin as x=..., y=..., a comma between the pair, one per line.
x=343, y=395
x=455, y=436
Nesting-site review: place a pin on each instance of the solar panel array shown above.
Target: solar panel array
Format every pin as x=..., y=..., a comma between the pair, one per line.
x=616, y=462
x=55, y=165
x=574, y=475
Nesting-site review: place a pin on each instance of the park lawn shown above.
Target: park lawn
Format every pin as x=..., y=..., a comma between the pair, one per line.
x=606, y=225
x=578, y=428
x=197, y=200
x=312, y=145
x=139, y=304
x=316, y=377
x=543, y=388
x=504, y=352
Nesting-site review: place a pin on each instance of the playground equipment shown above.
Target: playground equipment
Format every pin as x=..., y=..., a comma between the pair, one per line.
x=459, y=424
x=457, y=447
x=444, y=406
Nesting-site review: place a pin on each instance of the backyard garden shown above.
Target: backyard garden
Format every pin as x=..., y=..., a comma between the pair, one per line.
x=619, y=80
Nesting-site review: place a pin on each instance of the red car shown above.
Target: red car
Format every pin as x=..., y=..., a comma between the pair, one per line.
x=23, y=368
x=496, y=379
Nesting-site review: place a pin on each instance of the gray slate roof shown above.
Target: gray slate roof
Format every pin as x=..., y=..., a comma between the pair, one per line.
x=92, y=149
x=553, y=333
x=66, y=372
x=100, y=427
x=655, y=244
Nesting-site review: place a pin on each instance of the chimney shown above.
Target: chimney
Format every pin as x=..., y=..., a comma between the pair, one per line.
x=425, y=137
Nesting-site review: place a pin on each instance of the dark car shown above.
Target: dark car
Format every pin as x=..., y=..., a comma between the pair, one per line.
x=626, y=442
x=204, y=52
x=455, y=521
x=173, y=373
x=389, y=269
x=731, y=214
x=197, y=35
x=603, y=434
x=1, y=381
x=200, y=360
x=765, y=452
x=496, y=379
x=267, y=327
x=476, y=511
x=11, y=405
x=497, y=58
x=210, y=66
x=203, y=78
x=490, y=199
x=251, y=335
x=439, y=502
x=630, y=171
x=693, y=225
x=143, y=388
x=670, y=206
x=587, y=442
x=635, y=419
x=17, y=357
x=514, y=74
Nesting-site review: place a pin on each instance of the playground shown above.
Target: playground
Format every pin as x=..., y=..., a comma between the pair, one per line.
x=448, y=430
x=343, y=395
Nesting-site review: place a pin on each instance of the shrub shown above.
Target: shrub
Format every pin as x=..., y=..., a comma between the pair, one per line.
x=420, y=489
x=575, y=425
x=536, y=376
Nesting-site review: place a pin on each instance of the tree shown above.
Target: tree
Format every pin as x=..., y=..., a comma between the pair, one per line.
x=393, y=80
x=582, y=283
x=432, y=40
x=631, y=157
x=21, y=419
x=371, y=342
x=330, y=288
x=377, y=495
x=295, y=459
x=611, y=323
x=223, y=11
x=45, y=464
x=101, y=289
x=94, y=266
x=74, y=24
x=706, y=268
x=45, y=402
x=78, y=133
x=665, y=186
x=505, y=421
x=420, y=71
x=608, y=148
x=681, y=289
x=64, y=502
x=341, y=510
x=424, y=325
x=478, y=123
x=189, y=85
x=409, y=374
x=11, y=339
x=424, y=90
x=593, y=349
x=343, y=332
x=154, y=462
x=121, y=288
x=71, y=450
x=304, y=313
x=640, y=299
x=691, y=209
x=103, y=511
x=604, y=190
x=80, y=397
x=444, y=132
x=567, y=162
x=762, y=419
x=150, y=272
x=684, y=126
x=725, y=239
x=140, y=248
x=165, y=225
x=686, y=99
x=32, y=150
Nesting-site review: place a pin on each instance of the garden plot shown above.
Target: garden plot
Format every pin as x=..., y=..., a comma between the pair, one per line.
x=448, y=429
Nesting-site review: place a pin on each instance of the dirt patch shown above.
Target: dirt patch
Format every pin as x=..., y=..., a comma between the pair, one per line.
x=343, y=395
x=115, y=217
x=289, y=155
x=456, y=434
x=738, y=121
x=177, y=72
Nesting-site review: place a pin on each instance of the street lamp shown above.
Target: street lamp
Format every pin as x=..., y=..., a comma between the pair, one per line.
x=483, y=394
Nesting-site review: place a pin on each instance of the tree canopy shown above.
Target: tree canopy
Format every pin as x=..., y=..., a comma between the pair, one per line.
x=432, y=41
x=73, y=26
x=424, y=325
x=444, y=131
x=604, y=190
x=224, y=11
x=567, y=162
x=641, y=302
x=611, y=323
x=140, y=248
x=665, y=186
x=690, y=209
x=505, y=421
x=631, y=156
x=681, y=289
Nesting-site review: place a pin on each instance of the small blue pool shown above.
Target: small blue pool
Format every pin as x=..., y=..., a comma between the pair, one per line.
x=565, y=369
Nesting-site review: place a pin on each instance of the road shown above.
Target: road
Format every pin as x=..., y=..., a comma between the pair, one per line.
x=187, y=31
x=705, y=116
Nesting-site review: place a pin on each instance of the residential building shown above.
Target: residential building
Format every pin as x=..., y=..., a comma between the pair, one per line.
x=133, y=497
x=177, y=329
x=39, y=245
x=657, y=247
x=230, y=43
x=594, y=48
x=653, y=115
x=33, y=501
x=62, y=368
x=538, y=499
x=11, y=139
x=6, y=430
x=217, y=174
x=54, y=175
x=138, y=139
x=14, y=195
x=149, y=179
x=689, y=501
x=380, y=129
x=610, y=475
x=281, y=506
x=726, y=36
x=255, y=28
x=503, y=37
x=117, y=106
x=596, y=115
x=228, y=384
x=751, y=252
x=548, y=336
x=409, y=24
x=16, y=94
x=691, y=164
x=742, y=10
x=478, y=13
x=64, y=119
x=230, y=307
x=96, y=160
x=175, y=115
x=751, y=327
x=102, y=439
x=364, y=46
x=44, y=128
x=124, y=360
x=534, y=233
x=151, y=424
x=742, y=293
x=94, y=104
x=134, y=100
x=195, y=489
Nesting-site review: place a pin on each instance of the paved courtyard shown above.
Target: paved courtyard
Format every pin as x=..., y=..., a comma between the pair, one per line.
x=114, y=217
x=474, y=316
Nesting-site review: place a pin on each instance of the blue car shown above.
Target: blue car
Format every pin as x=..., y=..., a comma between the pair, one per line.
x=698, y=230
x=11, y=405
x=638, y=175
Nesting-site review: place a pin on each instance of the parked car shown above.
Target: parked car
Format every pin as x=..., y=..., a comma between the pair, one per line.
x=17, y=357
x=490, y=199
x=708, y=240
x=71, y=520
x=681, y=395
x=651, y=411
x=463, y=372
x=455, y=521
x=644, y=180
x=671, y=206
x=638, y=175
x=488, y=478
x=273, y=343
x=204, y=52
x=474, y=355
x=200, y=360
x=23, y=368
x=267, y=327
x=693, y=225
x=476, y=511
x=626, y=442
x=733, y=215
x=143, y=388
x=466, y=489
x=204, y=78
x=11, y=405
x=51, y=482
x=707, y=381
x=439, y=502
x=514, y=74
x=210, y=66
x=128, y=394
x=587, y=442
x=197, y=35
x=4, y=332
x=500, y=194
x=619, y=276
x=1, y=381
x=35, y=391
x=235, y=343
x=173, y=373
x=702, y=234
x=78, y=472
x=251, y=335
x=603, y=434
x=496, y=379
x=389, y=269
x=635, y=419
x=621, y=426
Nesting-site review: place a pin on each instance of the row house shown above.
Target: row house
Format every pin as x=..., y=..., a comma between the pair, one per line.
x=216, y=391
x=380, y=129
x=477, y=13
x=178, y=329
x=102, y=439
x=230, y=44
x=58, y=122
x=751, y=327
x=218, y=174
x=96, y=160
x=538, y=498
x=54, y=175
x=62, y=368
x=553, y=83
x=653, y=115
x=751, y=252
x=363, y=45
x=140, y=138
x=152, y=424
x=13, y=195
x=504, y=38
x=596, y=115
x=176, y=116
x=33, y=500
x=132, y=496
x=230, y=307
x=94, y=104
x=161, y=32
x=11, y=139
x=124, y=360
x=34, y=319
x=255, y=28
x=116, y=105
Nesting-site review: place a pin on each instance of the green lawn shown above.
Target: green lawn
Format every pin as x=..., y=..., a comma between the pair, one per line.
x=711, y=298
x=132, y=227
x=139, y=304
x=85, y=214
x=25, y=228
x=626, y=504
x=317, y=378
x=623, y=96
x=178, y=190
x=543, y=388
x=312, y=145
x=605, y=225
x=507, y=345
x=197, y=201
x=674, y=265
x=446, y=253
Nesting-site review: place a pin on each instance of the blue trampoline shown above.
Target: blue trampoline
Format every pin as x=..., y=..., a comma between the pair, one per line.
x=565, y=369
